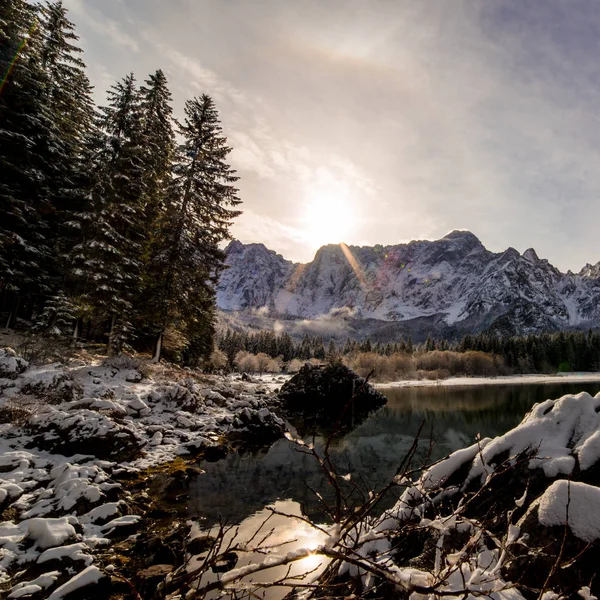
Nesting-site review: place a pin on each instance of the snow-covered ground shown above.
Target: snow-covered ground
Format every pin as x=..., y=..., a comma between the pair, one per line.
x=500, y=380
x=68, y=434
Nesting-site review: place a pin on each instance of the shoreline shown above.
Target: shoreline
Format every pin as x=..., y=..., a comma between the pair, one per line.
x=500, y=380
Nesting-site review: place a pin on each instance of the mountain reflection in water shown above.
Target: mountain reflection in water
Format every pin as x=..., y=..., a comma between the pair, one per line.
x=243, y=484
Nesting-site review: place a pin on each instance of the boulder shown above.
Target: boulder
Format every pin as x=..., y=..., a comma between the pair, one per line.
x=326, y=391
x=257, y=427
x=11, y=365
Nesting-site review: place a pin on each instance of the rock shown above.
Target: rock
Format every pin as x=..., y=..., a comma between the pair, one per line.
x=326, y=391
x=200, y=544
x=226, y=563
x=155, y=571
x=217, y=398
x=246, y=377
x=11, y=365
x=135, y=405
x=150, y=578
x=133, y=376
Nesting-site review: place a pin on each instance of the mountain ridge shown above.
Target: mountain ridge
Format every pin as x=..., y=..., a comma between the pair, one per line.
x=455, y=283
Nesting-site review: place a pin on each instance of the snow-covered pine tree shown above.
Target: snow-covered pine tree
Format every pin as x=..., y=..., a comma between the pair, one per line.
x=24, y=132
x=72, y=112
x=107, y=261
x=200, y=207
x=159, y=143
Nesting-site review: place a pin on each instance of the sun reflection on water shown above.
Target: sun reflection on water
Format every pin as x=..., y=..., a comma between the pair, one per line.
x=278, y=534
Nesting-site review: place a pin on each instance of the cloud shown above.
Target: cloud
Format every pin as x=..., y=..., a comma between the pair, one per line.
x=286, y=239
x=98, y=21
x=428, y=116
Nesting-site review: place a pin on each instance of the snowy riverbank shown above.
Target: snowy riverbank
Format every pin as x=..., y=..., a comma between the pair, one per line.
x=72, y=436
x=500, y=380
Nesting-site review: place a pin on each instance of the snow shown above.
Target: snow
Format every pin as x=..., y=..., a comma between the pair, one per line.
x=26, y=588
x=67, y=506
x=500, y=380
x=455, y=278
x=88, y=576
x=51, y=532
x=573, y=503
x=76, y=552
x=554, y=431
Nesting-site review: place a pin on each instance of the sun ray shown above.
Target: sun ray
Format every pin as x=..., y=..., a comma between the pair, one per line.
x=362, y=280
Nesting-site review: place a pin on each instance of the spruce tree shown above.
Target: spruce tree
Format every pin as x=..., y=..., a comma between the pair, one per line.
x=107, y=262
x=158, y=141
x=69, y=101
x=24, y=132
x=199, y=210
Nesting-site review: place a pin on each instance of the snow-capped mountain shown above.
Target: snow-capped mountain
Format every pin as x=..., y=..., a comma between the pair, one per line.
x=449, y=285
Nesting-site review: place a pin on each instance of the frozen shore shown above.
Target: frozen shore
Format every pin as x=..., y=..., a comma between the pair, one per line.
x=500, y=380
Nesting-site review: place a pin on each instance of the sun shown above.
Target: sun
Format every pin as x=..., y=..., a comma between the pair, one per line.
x=329, y=219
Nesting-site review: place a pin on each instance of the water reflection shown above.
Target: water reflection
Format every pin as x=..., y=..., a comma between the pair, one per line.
x=241, y=485
x=277, y=534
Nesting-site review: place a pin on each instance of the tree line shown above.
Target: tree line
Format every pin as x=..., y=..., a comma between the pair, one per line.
x=488, y=354
x=112, y=216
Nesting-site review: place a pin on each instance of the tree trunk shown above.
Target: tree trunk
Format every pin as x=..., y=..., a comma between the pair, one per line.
x=113, y=319
x=12, y=315
x=76, y=329
x=158, y=348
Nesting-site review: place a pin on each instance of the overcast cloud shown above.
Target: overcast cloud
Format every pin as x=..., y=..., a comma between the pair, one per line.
x=423, y=116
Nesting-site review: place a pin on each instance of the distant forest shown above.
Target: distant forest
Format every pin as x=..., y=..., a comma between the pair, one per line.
x=112, y=216
x=481, y=354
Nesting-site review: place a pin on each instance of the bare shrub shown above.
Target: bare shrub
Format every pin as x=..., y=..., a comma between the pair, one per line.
x=294, y=365
x=40, y=350
x=478, y=363
x=245, y=362
x=262, y=362
x=275, y=365
x=217, y=361
x=18, y=409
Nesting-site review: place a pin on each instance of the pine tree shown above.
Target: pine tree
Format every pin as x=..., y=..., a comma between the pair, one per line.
x=198, y=213
x=24, y=132
x=107, y=262
x=159, y=143
x=69, y=102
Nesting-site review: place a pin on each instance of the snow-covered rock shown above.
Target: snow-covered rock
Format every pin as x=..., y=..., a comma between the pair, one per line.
x=500, y=512
x=11, y=365
x=87, y=425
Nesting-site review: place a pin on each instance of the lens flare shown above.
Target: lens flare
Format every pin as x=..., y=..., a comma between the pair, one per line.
x=13, y=62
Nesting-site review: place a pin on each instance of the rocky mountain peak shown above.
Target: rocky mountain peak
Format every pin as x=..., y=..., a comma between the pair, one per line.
x=463, y=236
x=592, y=271
x=453, y=285
x=531, y=255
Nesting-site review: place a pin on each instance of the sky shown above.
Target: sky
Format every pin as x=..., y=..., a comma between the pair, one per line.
x=383, y=121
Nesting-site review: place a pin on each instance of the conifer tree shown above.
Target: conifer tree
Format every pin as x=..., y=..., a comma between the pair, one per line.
x=24, y=131
x=198, y=213
x=107, y=262
x=159, y=143
x=69, y=101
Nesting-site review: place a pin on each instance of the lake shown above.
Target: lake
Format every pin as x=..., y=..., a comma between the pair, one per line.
x=241, y=487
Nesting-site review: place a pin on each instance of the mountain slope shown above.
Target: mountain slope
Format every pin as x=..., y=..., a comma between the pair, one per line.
x=448, y=286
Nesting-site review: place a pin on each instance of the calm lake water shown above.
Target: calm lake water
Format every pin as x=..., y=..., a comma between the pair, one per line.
x=240, y=487
x=242, y=484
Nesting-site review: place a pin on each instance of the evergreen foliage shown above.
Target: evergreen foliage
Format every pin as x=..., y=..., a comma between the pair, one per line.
x=110, y=230
x=199, y=209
